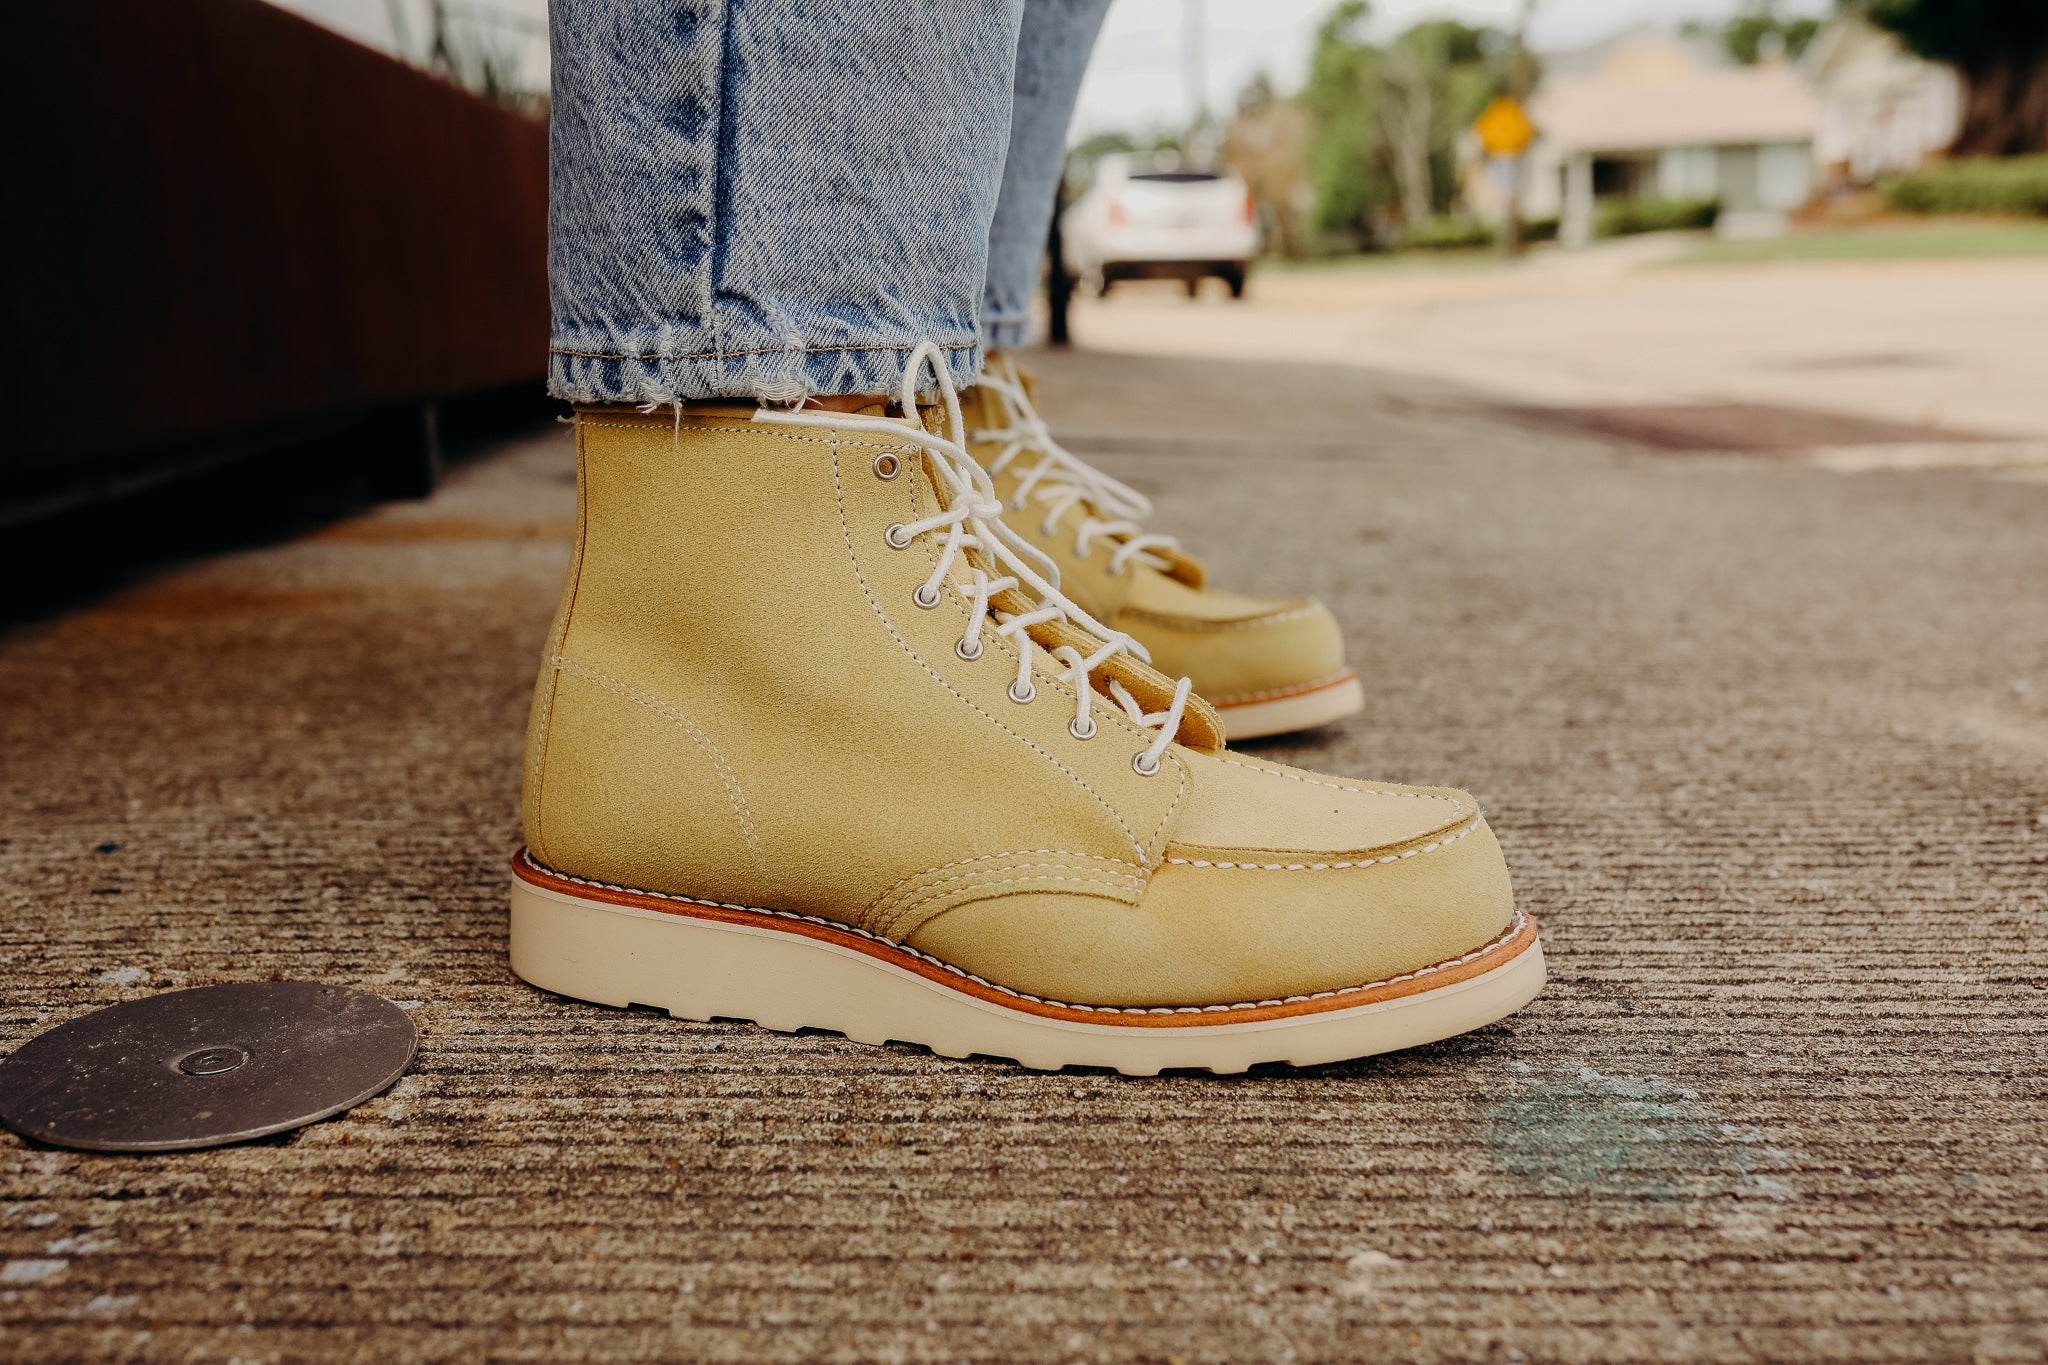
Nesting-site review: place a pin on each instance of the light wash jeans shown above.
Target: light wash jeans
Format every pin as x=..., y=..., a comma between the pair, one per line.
x=775, y=198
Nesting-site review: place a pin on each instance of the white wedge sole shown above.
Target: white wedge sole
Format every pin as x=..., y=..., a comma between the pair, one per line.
x=1304, y=710
x=702, y=960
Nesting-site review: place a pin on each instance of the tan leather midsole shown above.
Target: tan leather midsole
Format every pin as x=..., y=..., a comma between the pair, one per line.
x=1318, y=705
x=1307, y=689
x=1519, y=937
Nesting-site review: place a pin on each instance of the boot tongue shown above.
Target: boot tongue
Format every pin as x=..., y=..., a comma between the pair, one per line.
x=980, y=408
x=1200, y=726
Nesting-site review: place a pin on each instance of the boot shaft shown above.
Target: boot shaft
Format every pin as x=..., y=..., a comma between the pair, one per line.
x=743, y=698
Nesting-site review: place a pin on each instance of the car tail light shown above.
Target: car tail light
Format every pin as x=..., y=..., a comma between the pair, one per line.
x=1117, y=216
x=1251, y=210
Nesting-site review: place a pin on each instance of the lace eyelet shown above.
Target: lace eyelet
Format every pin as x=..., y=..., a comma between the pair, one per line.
x=969, y=654
x=1074, y=728
x=887, y=466
x=898, y=536
x=926, y=596
x=1138, y=763
x=1022, y=698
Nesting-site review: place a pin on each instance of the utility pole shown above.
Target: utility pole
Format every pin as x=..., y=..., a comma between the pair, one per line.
x=1194, y=43
x=1521, y=77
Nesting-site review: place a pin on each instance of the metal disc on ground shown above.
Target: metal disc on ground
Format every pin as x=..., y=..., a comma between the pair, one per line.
x=204, y=1067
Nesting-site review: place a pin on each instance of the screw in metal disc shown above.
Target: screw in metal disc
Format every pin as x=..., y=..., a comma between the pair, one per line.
x=204, y=1067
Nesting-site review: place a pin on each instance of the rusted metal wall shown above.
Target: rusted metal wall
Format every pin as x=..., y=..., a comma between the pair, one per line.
x=227, y=220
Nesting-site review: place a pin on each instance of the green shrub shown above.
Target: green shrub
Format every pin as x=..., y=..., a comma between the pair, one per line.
x=1458, y=234
x=2016, y=185
x=1622, y=217
x=1446, y=234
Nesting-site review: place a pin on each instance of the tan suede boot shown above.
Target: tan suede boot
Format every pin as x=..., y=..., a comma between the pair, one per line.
x=810, y=748
x=1268, y=665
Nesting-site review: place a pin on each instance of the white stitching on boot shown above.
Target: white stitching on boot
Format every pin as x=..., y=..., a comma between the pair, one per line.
x=734, y=793
x=1445, y=842
x=1516, y=921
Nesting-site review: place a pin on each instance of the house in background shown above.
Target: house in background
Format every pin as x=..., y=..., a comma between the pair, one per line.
x=1648, y=115
x=1882, y=108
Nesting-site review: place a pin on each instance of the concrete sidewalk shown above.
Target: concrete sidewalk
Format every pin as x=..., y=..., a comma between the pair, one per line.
x=1957, y=346
x=1767, y=747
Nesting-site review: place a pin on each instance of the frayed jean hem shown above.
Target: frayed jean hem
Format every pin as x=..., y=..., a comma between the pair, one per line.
x=1005, y=333
x=778, y=375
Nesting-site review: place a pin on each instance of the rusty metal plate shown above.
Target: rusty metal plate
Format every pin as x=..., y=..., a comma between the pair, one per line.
x=205, y=1067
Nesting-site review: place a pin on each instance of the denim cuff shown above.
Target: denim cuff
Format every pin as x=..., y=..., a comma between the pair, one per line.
x=1005, y=331
x=780, y=375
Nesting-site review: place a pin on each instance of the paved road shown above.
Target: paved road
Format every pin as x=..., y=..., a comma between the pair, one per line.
x=1767, y=747
x=1958, y=346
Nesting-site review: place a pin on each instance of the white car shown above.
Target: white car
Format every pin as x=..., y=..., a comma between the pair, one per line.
x=1152, y=219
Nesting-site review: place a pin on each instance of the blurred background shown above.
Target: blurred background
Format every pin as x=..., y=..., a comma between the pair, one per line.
x=1532, y=195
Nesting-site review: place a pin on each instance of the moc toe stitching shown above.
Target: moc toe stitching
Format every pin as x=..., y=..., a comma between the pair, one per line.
x=981, y=886
x=890, y=909
x=1462, y=806
x=1245, y=860
x=1305, y=607
x=1228, y=925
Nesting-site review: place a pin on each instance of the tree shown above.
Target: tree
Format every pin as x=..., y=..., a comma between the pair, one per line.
x=1386, y=120
x=1342, y=97
x=1082, y=156
x=1761, y=30
x=2000, y=47
x=1437, y=77
x=1267, y=145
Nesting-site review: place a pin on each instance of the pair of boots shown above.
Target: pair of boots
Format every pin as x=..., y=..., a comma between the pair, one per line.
x=839, y=727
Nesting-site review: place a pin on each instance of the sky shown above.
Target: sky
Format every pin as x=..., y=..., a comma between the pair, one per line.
x=1135, y=82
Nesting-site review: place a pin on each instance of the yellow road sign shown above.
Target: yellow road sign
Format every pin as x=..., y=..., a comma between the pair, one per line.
x=1504, y=130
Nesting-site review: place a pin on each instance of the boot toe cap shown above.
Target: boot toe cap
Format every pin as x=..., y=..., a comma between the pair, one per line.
x=1322, y=885
x=1263, y=649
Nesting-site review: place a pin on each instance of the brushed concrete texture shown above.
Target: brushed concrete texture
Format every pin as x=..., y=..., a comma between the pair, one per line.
x=1767, y=747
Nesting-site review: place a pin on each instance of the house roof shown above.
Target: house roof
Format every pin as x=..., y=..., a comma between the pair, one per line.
x=1653, y=96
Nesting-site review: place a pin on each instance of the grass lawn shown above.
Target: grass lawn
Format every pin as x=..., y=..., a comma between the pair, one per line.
x=1889, y=240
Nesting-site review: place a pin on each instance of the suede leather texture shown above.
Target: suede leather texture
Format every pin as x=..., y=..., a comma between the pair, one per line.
x=1236, y=648
x=1209, y=935
x=742, y=703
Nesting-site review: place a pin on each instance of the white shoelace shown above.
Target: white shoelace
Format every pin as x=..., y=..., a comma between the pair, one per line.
x=972, y=520
x=1061, y=480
